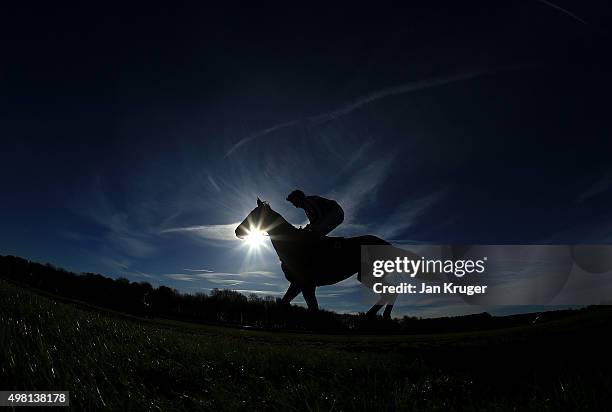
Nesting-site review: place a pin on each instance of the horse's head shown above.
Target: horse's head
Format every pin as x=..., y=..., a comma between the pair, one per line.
x=258, y=219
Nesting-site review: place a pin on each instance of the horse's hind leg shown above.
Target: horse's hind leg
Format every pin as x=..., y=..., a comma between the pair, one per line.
x=291, y=293
x=387, y=312
x=310, y=298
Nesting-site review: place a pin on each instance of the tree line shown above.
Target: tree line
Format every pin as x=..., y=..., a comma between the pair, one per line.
x=228, y=307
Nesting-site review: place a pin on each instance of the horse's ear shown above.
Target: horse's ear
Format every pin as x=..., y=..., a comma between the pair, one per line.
x=259, y=202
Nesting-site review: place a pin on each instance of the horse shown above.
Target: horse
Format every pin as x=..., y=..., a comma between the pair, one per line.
x=309, y=260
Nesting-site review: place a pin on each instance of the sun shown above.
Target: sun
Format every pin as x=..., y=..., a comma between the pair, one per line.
x=255, y=238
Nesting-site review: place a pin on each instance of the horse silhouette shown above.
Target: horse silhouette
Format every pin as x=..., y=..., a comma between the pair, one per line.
x=309, y=260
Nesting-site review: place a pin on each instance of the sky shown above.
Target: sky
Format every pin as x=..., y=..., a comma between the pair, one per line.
x=134, y=139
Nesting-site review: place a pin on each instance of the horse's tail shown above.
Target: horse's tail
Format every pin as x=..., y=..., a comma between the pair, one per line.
x=367, y=240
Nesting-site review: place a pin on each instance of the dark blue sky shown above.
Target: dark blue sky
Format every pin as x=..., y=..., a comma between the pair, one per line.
x=134, y=139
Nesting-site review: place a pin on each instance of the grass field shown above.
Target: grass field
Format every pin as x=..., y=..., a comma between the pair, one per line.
x=111, y=361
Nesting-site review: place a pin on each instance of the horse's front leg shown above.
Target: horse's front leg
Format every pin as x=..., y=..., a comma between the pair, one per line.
x=310, y=298
x=291, y=293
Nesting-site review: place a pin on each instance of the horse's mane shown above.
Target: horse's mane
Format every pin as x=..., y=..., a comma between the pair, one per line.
x=267, y=205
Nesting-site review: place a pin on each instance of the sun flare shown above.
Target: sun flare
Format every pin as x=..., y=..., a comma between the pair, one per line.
x=255, y=238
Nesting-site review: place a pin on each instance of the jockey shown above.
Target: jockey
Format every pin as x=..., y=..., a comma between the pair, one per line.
x=324, y=214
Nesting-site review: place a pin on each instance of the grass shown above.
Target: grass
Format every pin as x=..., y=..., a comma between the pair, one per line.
x=116, y=362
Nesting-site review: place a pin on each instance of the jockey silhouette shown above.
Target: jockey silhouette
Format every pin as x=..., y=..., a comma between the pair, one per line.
x=324, y=214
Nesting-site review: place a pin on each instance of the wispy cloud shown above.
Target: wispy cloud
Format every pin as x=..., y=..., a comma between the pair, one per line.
x=362, y=188
x=562, y=10
x=121, y=228
x=214, y=183
x=258, y=272
x=227, y=282
x=212, y=232
x=123, y=268
x=180, y=276
x=371, y=98
x=594, y=231
x=259, y=292
x=132, y=244
x=358, y=155
x=256, y=281
x=216, y=274
x=407, y=213
x=361, y=191
x=601, y=185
